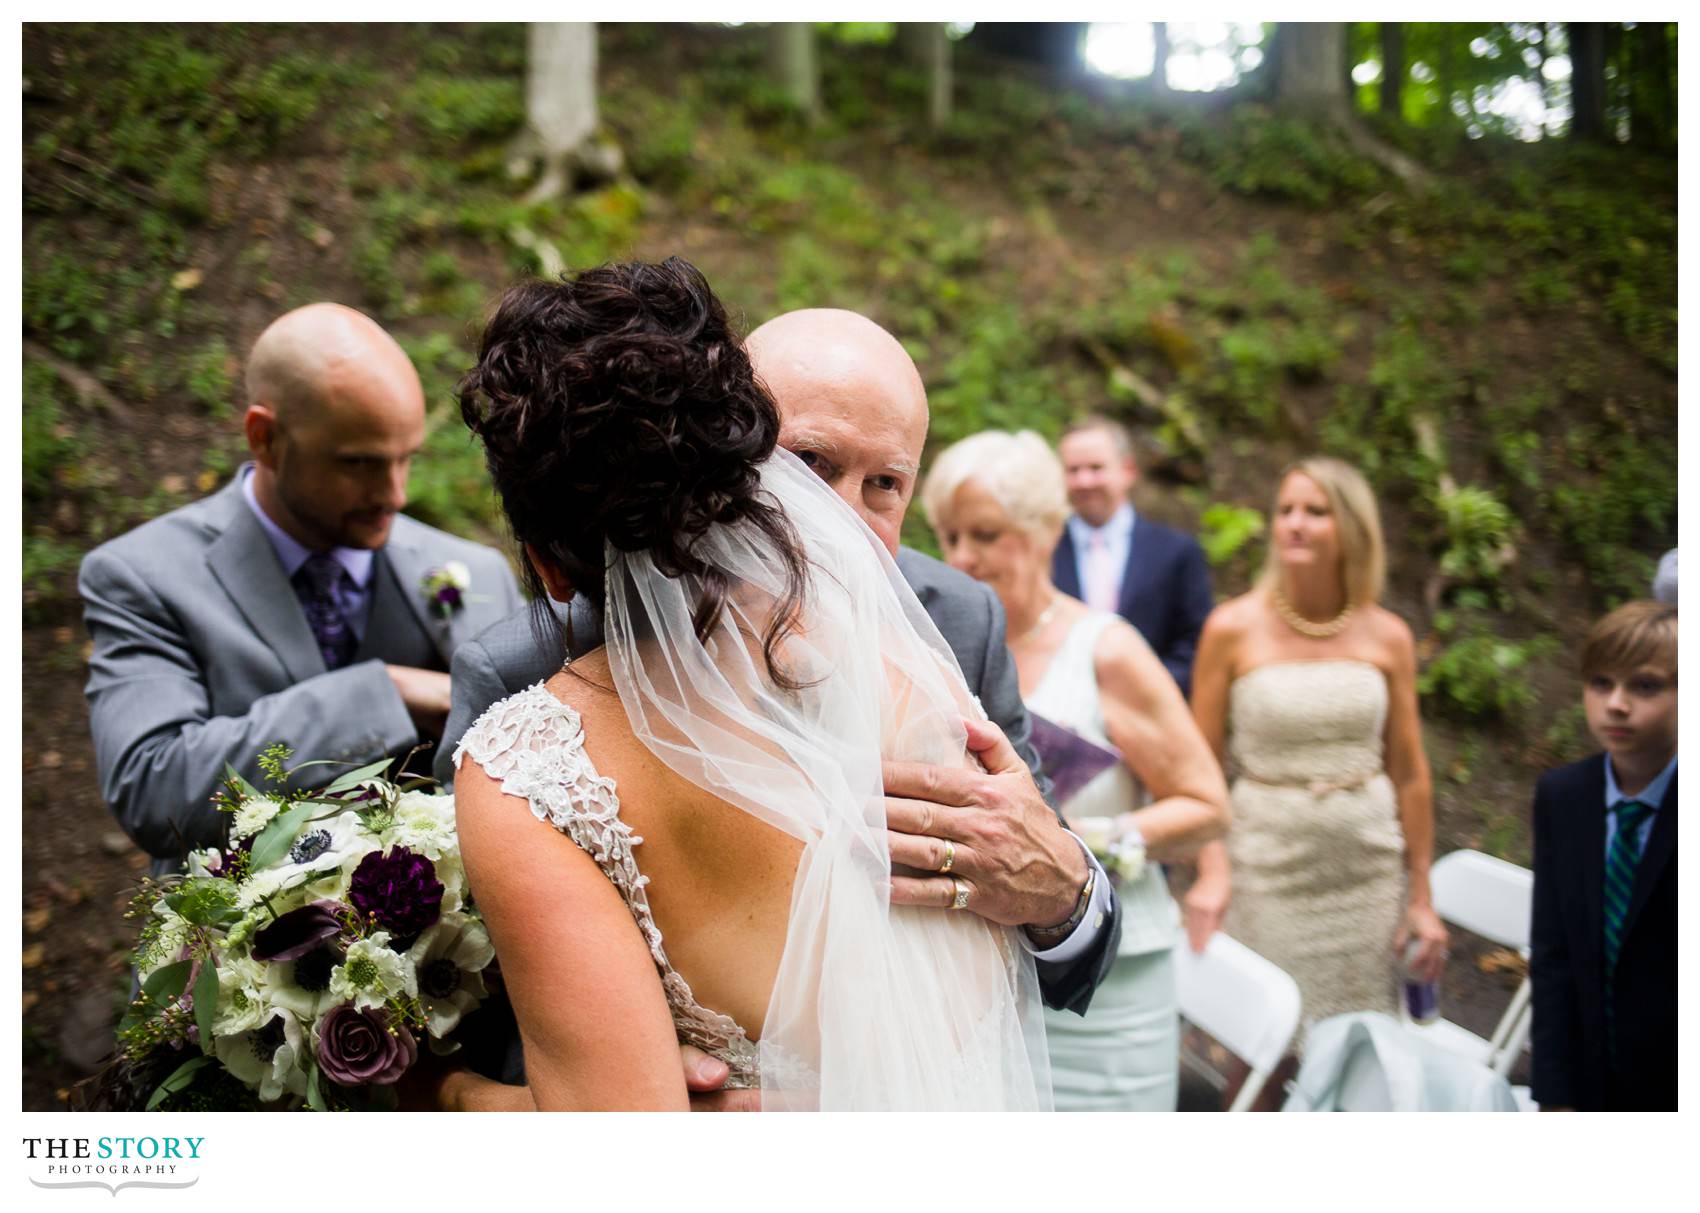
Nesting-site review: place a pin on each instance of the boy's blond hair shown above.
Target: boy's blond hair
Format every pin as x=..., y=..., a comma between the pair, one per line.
x=1637, y=634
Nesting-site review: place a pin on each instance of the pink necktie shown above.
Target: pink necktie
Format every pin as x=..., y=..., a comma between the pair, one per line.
x=1102, y=582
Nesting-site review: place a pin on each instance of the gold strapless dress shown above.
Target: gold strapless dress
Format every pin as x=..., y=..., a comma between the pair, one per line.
x=1316, y=848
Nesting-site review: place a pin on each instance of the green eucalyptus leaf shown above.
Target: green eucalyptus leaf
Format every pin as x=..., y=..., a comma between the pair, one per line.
x=315, y=1097
x=179, y=1078
x=369, y=771
x=206, y=1000
x=168, y=981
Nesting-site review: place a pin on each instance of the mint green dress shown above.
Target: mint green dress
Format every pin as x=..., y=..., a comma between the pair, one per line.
x=1123, y=1055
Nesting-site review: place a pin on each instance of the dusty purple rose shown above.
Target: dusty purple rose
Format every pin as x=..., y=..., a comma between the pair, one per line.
x=291, y=936
x=360, y=1048
x=400, y=890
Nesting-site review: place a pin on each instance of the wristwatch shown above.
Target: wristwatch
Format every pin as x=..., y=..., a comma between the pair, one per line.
x=1066, y=928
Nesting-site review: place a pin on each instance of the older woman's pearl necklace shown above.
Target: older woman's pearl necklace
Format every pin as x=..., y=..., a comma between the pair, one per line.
x=1045, y=616
x=1303, y=626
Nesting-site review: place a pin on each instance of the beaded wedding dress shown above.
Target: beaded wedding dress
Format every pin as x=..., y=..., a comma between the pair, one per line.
x=1316, y=848
x=874, y=1006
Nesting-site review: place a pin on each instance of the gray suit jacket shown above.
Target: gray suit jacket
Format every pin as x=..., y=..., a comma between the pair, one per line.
x=202, y=657
x=509, y=657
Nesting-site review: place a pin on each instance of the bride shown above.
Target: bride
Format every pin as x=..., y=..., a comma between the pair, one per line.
x=680, y=837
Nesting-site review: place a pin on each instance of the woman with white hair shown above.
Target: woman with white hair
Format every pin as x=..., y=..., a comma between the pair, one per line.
x=1310, y=687
x=1132, y=774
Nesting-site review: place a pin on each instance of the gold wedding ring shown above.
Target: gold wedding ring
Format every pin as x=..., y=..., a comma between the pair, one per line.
x=949, y=860
x=960, y=901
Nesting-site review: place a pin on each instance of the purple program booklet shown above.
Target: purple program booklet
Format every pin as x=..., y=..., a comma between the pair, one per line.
x=1069, y=759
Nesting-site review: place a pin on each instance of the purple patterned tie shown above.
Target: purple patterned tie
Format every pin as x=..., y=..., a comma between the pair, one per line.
x=315, y=585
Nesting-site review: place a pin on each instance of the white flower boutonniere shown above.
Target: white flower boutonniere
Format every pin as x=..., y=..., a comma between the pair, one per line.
x=445, y=587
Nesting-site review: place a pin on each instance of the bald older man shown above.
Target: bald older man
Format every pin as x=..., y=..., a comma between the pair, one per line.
x=852, y=407
x=287, y=607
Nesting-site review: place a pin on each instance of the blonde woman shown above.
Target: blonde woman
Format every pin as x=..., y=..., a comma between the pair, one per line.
x=1310, y=687
x=1132, y=774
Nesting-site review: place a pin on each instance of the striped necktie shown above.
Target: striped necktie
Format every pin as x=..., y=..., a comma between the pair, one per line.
x=1622, y=859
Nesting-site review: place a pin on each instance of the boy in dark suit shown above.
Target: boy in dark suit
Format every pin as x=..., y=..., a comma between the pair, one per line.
x=1603, y=956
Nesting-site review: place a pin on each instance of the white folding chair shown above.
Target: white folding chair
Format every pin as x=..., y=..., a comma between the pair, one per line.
x=1248, y=1004
x=1492, y=898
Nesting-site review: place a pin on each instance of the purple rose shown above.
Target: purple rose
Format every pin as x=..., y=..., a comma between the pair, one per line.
x=400, y=891
x=291, y=936
x=361, y=1048
x=448, y=597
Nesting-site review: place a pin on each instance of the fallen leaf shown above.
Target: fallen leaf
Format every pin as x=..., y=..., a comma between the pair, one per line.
x=35, y=920
x=29, y=1000
x=33, y=955
x=52, y=759
x=173, y=483
x=272, y=290
x=186, y=280
x=206, y=481
x=62, y=635
x=115, y=842
x=322, y=237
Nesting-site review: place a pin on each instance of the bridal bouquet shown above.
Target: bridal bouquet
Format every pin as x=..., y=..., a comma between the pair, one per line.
x=307, y=962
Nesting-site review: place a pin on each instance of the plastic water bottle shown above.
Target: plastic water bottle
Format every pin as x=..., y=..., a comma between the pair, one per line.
x=1422, y=998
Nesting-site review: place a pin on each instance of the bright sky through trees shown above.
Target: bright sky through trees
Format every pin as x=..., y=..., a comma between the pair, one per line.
x=1205, y=56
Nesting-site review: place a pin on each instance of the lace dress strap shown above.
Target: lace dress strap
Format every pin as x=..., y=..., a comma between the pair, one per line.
x=533, y=745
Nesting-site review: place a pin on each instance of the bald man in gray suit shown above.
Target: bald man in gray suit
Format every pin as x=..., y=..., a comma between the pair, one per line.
x=288, y=606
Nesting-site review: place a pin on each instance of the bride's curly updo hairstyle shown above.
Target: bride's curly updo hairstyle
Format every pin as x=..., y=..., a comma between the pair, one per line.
x=617, y=407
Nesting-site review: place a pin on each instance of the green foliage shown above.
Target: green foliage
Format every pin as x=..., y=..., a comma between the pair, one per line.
x=211, y=378
x=1479, y=531
x=1251, y=151
x=1480, y=675
x=1224, y=530
x=451, y=109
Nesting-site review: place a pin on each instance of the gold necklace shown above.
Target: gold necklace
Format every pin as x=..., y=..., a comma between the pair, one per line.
x=1045, y=616
x=1303, y=626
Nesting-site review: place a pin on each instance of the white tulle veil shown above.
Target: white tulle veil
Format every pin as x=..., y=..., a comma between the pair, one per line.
x=875, y=1007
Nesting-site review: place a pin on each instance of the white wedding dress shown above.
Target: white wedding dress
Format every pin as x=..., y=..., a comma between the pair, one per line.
x=874, y=1007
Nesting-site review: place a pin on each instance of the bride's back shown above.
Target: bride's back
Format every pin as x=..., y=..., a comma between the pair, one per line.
x=719, y=879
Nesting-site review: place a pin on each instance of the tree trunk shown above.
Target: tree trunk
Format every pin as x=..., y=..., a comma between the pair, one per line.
x=1392, y=69
x=1587, y=81
x=1160, y=58
x=1546, y=88
x=1055, y=44
x=560, y=84
x=791, y=59
x=1652, y=107
x=927, y=46
x=1308, y=58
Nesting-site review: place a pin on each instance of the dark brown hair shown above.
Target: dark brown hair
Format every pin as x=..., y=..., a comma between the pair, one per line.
x=617, y=407
x=1636, y=634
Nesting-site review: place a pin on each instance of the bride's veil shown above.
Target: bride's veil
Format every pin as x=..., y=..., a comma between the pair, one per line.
x=874, y=1006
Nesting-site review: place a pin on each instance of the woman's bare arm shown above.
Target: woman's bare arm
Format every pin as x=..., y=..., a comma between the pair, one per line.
x=1146, y=717
x=597, y=1030
x=1407, y=767
x=1206, y=902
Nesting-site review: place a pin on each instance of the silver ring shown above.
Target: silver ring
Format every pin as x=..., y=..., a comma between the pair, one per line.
x=949, y=860
x=960, y=901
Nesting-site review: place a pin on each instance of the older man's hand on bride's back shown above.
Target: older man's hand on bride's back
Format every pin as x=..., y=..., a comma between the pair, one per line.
x=987, y=834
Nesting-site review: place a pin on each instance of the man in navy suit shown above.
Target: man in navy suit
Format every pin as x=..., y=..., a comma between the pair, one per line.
x=1151, y=575
x=1603, y=948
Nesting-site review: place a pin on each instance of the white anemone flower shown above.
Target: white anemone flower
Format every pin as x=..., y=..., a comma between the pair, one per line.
x=252, y=816
x=207, y=862
x=447, y=959
x=325, y=847
x=242, y=1002
x=371, y=974
x=270, y=1057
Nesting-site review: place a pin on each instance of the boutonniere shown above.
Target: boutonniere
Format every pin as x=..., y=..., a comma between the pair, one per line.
x=445, y=588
